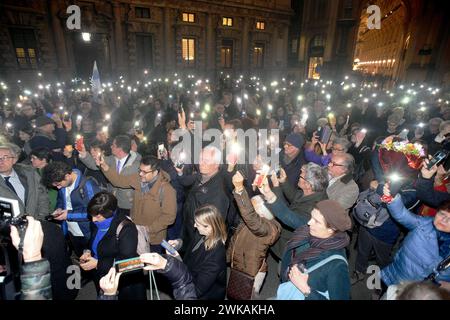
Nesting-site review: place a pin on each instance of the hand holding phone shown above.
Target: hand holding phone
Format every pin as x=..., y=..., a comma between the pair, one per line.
x=79, y=143
x=171, y=250
x=129, y=265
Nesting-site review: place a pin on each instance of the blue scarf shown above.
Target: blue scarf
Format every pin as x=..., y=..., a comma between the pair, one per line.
x=102, y=229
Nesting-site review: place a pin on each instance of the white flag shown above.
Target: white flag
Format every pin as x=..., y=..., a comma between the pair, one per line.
x=95, y=81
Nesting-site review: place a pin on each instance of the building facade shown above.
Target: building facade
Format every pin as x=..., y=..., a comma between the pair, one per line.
x=326, y=41
x=412, y=44
x=128, y=37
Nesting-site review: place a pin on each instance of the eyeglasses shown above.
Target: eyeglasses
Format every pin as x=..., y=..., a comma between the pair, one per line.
x=145, y=172
x=444, y=218
x=4, y=158
x=332, y=163
x=336, y=149
x=304, y=179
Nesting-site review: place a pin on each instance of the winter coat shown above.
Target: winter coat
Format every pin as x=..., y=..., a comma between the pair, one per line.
x=179, y=278
x=35, y=280
x=36, y=197
x=124, y=195
x=427, y=194
x=293, y=168
x=55, y=144
x=248, y=247
x=112, y=248
x=419, y=253
x=212, y=192
x=345, y=191
x=208, y=269
x=155, y=209
x=174, y=230
x=332, y=277
x=300, y=206
x=79, y=198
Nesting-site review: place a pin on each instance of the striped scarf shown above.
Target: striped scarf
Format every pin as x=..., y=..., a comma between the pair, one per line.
x=338, y=241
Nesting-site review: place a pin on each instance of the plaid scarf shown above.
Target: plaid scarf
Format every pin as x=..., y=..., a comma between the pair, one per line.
x=301, y=236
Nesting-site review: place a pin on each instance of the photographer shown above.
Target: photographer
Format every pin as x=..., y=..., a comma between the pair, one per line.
x=35, y=271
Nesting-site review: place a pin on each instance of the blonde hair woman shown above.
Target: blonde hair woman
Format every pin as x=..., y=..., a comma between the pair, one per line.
x=205, y=256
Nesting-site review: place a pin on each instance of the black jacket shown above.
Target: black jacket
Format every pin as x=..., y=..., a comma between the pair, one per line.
x=212, y=192
x=208, y=269
x=131, y=286
x=180, y=279
x=293, y=168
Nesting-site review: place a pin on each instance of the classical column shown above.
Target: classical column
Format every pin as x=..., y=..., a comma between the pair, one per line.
x=210, y=44
x=60, y=42
x=168, y=43
x=245, y=46
x=118, y=37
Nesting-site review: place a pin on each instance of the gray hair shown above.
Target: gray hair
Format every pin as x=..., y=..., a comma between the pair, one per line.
x=349, y=163
x=217, y=153
x=316, y=176
x=343, y=142
x=436, y=121
x=444, y=125
x=13, y=149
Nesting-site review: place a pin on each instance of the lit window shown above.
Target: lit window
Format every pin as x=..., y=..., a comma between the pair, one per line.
x=260, y=25
x=258, y=56
x=188, y=51
x=25, y=44
x=188, y=17
x=228, y=22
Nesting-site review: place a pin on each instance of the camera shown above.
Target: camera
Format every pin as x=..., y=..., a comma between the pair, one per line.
x=10, y=215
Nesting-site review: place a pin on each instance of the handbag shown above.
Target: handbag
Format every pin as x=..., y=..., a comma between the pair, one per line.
x=288, y=291
x=240, y=285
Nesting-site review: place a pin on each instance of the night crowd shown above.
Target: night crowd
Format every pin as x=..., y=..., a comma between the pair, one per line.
x=363, y=170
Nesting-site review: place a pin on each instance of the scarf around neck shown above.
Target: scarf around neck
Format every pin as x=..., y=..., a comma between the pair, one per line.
x=338, y=241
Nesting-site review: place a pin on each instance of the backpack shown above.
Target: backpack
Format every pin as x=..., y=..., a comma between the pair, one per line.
x=143, y=245
x=89, y=189
x=369, y=210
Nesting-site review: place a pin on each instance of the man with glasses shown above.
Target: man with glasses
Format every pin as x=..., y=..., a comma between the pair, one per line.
x=341, y=186
x=124, y=161
x=22, y=183
x=74, y=193
x=154, y=202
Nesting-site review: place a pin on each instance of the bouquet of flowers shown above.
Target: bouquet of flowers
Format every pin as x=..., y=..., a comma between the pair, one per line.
x=393, y=154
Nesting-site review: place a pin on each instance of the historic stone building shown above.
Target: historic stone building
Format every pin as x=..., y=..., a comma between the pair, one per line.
x=309, y=38
x=130, y=36
x=326, y=41
x=413, y=42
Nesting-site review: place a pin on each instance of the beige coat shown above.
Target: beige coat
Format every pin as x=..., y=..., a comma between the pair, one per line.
x=147, y=208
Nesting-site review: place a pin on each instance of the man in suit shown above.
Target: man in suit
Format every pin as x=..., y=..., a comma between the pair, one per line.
x=341, y=186
x=22, y=183
x=125, y=162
